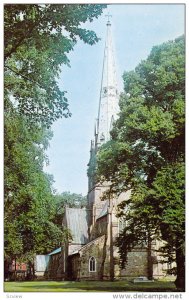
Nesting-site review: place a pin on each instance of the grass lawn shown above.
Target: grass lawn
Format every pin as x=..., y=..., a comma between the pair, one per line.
x=88, y=286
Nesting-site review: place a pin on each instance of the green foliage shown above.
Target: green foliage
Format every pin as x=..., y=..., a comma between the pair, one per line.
x=29, y=205
x=168, y=189
x=38, y=38
x=37, y=41
x=70, y=199
x=146, y=153
x=67, y=199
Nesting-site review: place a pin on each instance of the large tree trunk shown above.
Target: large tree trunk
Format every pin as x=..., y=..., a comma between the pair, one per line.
x=104, y=252
x=180, y=261
x=15, y=269
x=149, y=254
x=6, y=269
x=110, y=241
x=30, y=275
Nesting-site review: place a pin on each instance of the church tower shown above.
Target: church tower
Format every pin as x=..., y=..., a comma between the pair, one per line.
x=109, y=94
x=93, y=254
x=107, y=113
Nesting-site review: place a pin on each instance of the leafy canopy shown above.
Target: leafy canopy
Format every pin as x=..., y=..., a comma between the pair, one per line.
x=147, y=150
x=29, y=206
x=67, y=199
x=38, y=38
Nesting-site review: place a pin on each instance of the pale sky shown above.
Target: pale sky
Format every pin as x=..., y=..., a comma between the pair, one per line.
x=136, y=29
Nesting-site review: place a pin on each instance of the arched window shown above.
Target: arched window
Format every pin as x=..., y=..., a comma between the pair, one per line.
x=92, y=264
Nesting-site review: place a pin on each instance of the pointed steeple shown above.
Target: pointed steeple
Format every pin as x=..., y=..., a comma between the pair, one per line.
x=109, y=94
x=108, y=107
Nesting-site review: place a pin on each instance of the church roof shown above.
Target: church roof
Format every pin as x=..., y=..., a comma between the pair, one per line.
x=76, y=219
x=87, y=245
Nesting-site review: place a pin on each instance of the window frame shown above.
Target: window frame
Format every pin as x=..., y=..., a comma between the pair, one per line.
x=92, y=264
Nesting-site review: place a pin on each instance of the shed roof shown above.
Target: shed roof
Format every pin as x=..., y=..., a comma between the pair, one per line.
x=58, y=250
x=76, y=219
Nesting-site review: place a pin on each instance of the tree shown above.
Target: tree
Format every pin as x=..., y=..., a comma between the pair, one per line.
x=37, y=38
x=67, y=199
x=146, y=153
x=29, y=207
x=37, y=41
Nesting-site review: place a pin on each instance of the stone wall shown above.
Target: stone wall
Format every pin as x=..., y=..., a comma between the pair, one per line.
x=80, y=263
x=74, y=267
x=137, y=265
x=99, y=228
x=94, y=201
x=56, y=267
x=99, y=249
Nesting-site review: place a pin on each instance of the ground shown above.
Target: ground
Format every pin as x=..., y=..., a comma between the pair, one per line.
x=88, y=286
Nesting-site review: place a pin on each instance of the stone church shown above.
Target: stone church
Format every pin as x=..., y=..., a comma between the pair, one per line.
x=92, y=254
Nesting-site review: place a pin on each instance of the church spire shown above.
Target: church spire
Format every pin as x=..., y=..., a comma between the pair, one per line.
x=109, y=95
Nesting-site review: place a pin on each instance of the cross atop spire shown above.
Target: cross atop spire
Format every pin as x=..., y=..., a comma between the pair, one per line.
x=108, y=16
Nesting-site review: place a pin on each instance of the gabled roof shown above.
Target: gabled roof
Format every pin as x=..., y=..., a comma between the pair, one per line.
x=87, y=245
x=76, y=219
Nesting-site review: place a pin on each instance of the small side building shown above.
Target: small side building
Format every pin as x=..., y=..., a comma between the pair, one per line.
x=60, y=260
